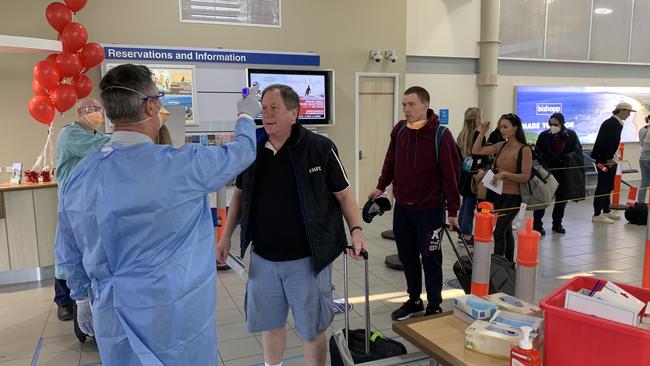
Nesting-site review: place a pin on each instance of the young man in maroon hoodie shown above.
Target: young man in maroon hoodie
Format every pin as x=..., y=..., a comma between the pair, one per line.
x=424, y=185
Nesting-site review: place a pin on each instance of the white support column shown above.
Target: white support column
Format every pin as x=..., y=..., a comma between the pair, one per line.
x=488, y=78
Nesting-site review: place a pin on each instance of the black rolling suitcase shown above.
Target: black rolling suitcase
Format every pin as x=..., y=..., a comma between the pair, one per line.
x=502, y=271
x=360, y=346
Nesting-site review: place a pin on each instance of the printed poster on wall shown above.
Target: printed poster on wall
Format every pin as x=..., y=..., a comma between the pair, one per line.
x=177, y=82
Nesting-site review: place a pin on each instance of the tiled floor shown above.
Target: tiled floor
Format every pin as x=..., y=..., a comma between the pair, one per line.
x=30, y=333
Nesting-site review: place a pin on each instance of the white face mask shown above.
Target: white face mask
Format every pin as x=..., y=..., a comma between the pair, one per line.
x=555, y=129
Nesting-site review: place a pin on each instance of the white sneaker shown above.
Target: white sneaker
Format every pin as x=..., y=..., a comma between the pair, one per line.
x=612, y=215
x=601, y=219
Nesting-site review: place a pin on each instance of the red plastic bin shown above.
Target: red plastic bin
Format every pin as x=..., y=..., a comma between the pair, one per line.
x=572, y=338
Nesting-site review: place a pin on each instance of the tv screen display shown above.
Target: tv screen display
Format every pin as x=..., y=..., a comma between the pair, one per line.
x=312, y=86
x=584, y=109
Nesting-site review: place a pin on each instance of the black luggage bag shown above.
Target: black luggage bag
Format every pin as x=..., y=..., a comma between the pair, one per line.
x=502, y=271
x=360, y=345
x=637, y=214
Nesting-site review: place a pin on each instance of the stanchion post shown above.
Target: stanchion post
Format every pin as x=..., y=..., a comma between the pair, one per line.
x=617, y=181
x=527, y=260
x=645, y=282
x=221, y=212
x=483, y=247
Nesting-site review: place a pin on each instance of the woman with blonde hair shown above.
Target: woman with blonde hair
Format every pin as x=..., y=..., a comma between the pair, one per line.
x=465, y=141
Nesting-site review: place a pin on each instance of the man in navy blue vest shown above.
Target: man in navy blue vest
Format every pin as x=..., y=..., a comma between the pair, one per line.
x=291, y=202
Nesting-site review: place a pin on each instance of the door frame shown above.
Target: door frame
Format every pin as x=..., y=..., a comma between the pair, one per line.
x=357, y=77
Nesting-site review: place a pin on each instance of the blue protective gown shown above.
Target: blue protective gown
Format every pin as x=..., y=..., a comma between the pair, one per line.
x=135, y=227
x=72, y=145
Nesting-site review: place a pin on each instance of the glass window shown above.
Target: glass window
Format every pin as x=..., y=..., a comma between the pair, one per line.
x=610, y=30
x=244, y=12
x=568, y=29
x=522, y=28
x=640, y=51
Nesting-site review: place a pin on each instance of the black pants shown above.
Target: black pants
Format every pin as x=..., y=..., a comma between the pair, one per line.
x=504, y=240
x=558, y=215
x=413, y=229
x=62, y=294
x=604, y=187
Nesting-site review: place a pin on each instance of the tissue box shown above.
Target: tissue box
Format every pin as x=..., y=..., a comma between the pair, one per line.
x=617, y=295
x=513, y=304
x=470, y=308
x=491, y=339
x=594, y=306
x=516, y=321
x=646, y=314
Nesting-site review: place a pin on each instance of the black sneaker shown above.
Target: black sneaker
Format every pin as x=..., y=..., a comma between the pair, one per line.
x=540, y=230
x=408, y=309
x=432, y=311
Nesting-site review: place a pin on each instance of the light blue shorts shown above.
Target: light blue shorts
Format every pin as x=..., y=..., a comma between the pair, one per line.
x=275, y=287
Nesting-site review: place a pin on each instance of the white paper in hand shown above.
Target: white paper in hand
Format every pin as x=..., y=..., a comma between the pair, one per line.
x=236, y=264
x=487, y=182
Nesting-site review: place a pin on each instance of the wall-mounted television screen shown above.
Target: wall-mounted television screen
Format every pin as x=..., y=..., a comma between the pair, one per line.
x=584, y=109
x=314, y=87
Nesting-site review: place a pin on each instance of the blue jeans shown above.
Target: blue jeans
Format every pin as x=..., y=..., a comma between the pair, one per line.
x=466, y=216
x=644, y=164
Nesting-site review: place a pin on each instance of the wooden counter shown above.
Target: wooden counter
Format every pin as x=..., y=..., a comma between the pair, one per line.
x=28, y=217
x=442, y=337
x=6, y=187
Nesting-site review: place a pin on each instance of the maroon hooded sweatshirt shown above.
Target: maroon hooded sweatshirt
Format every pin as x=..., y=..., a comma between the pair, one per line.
x=420, y=179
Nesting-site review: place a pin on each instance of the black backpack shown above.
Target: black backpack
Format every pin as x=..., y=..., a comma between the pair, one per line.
x=637, y=214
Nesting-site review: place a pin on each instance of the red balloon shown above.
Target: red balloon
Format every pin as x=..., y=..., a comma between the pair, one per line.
x=52, y=58
x=74, y=36
x=75, y=5
x=46, y=74
x=41, y=109
x=68, y=64
x=83, y=85
x=38, y=89
x=92, y=54
x=58, y=15
x=64, y=97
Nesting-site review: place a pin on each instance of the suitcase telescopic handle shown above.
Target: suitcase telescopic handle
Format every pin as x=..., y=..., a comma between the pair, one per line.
x=364, y=253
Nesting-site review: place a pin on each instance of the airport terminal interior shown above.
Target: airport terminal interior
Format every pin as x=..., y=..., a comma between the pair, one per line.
x=350, y=61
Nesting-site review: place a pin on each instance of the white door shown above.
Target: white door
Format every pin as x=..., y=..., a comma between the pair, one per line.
x=376, y=119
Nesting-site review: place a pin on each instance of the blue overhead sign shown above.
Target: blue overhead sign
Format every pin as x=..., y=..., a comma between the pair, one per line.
x=196, y=55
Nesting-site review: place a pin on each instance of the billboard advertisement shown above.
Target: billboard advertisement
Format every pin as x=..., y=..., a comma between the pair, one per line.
x=584, y=108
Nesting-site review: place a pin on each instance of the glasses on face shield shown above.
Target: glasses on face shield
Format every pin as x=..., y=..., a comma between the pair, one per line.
x=90, y=109
x=159, y=96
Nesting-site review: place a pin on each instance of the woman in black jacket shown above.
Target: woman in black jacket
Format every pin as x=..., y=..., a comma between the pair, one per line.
x=559, y=149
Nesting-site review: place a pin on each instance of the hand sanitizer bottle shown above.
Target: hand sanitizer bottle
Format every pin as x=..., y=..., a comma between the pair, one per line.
x=524, y=354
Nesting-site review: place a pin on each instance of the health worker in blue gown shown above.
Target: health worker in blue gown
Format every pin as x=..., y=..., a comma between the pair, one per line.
x=135, y=230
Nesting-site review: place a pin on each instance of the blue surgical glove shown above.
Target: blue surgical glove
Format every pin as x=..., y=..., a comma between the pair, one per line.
x=85, y=317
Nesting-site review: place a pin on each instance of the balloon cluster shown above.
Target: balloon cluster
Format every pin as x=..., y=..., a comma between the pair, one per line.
x=61, y=79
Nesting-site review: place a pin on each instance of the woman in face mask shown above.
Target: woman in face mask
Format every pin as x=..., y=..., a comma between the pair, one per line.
x=644, y=159
x=559, y=149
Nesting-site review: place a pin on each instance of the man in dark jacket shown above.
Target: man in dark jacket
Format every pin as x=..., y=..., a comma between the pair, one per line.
x=290, y=201
x=424, y=185
x=604, y=152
